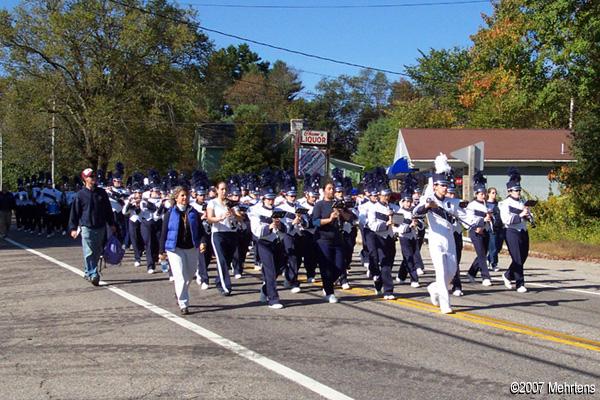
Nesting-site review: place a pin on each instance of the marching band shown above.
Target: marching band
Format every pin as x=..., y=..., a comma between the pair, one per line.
x=316, y=232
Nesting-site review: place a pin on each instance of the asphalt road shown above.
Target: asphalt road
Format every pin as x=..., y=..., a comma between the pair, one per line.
x=65, y=339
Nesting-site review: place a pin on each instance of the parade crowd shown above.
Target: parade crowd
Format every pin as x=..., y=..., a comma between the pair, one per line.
x=180, y=224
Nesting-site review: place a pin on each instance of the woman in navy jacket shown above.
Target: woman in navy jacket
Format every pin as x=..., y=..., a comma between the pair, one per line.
x=181, y=237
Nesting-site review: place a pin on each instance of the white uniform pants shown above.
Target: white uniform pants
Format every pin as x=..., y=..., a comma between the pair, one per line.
x=183, y=264
x=443, y=256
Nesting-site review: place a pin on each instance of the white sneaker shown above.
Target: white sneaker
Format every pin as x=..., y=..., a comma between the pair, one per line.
x=64, y=233
x=204, y=286
x=237, y=276
x=331, y=298
x=389, y=297
x=433, y=296
x=415, y=284
x=398, y=280
x=171, y=279
x=263, y=297
x=276, y=306
x=486, y=282
x=346, y=286
x=378, y=292
x=368, y=274
x=522, y=289
x=48, y=236
x=457, y=293
x=446, y=310
x=420, y=271
x=257, y=267
x=471, y=278
x=311, y=280
x=136, y=264
x=507, y=282
x=150, y=271
x=198, y=280
x=366, y=265
x=295, y=289
x=496, y=269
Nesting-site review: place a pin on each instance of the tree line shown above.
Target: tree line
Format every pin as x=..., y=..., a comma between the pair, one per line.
x=131, y=81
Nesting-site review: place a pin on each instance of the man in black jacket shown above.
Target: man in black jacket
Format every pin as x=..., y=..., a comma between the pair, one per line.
x=91, y=212
x=7, y=205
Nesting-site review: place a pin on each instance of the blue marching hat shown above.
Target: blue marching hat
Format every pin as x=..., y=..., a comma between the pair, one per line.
x=479, y=182
x=409, y=187
x=268, y=193
x=290, y=186
x=200, y=182
x=312, y=184
x=514, y=181
x=267, y=184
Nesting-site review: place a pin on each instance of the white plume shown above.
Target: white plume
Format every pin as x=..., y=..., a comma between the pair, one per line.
x=441, y=164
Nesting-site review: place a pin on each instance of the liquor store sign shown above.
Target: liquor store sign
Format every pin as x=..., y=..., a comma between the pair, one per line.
x=313, y=138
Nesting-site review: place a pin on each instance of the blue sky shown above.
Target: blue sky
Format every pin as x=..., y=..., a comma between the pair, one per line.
x=387, y=38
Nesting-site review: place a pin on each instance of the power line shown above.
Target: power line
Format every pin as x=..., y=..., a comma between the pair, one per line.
x=272, y=46
x=341, y=6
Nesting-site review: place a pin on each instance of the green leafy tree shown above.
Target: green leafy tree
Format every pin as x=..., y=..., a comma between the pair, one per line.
x=251, y=149
x=123, y=80
x=376, y=145
x=345, y=105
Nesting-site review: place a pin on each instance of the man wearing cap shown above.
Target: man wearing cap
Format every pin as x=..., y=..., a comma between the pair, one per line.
x=515, y=215
x=91, y=212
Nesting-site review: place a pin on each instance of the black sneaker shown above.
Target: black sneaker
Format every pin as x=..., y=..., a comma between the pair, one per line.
x=95, y=280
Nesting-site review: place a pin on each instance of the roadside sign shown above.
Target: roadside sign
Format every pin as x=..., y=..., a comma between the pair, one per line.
x=311, y=160
x=313, y=138
x=458, y=181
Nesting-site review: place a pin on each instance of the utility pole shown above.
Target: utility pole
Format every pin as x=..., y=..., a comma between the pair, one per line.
x=53, y=132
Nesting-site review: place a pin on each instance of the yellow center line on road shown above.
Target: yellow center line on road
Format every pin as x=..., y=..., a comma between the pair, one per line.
x=506, y=325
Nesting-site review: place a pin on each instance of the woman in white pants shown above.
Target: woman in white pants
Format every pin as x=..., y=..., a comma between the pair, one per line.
x=181, y=237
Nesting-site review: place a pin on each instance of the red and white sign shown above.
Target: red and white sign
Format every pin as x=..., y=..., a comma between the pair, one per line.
x=458, y=181
x=314, y=138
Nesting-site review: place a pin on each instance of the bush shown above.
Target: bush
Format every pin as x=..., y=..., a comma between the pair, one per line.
x=559, y=219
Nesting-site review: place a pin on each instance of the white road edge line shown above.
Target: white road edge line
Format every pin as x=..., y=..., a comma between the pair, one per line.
x=238, y=349
x=554, y=287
